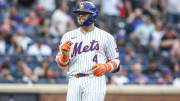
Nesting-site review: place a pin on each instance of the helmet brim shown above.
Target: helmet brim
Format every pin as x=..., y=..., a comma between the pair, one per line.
x=81, y=11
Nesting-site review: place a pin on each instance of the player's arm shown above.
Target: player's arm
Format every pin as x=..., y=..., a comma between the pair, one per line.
x=113, y=56
x=63, y=58
x=111, y=66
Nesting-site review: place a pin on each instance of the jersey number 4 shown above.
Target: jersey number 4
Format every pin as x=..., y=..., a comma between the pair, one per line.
x=95, y=59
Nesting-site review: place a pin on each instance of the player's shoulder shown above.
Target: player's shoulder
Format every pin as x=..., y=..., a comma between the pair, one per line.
x=71, y=33
x=103, y=33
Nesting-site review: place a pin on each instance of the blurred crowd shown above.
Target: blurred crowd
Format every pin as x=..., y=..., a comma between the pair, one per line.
x=147, y=33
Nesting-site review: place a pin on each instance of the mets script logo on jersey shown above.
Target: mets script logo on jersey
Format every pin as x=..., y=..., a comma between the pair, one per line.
x=78, y=49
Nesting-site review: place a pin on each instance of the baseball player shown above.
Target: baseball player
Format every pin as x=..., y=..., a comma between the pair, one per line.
x=88, y=52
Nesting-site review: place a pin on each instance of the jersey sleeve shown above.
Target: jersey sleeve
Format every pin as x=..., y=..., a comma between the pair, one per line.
x=63, y=40
x=111, y=48
x=112, y=54
x=59, y=56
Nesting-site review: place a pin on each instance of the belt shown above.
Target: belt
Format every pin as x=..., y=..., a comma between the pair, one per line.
x=81, y=75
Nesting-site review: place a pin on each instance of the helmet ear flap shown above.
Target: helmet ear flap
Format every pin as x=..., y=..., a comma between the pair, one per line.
x=90, y=20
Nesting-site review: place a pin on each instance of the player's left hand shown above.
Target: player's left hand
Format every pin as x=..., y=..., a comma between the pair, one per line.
x=99, y=69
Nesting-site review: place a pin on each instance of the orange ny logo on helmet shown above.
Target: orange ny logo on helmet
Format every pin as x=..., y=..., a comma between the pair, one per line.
x=81, y=5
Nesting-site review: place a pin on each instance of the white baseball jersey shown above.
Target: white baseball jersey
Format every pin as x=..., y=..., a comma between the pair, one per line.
x=89, y=49
x=95, y=47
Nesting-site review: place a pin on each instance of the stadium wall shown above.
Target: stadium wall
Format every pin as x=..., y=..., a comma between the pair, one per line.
x=20, y=92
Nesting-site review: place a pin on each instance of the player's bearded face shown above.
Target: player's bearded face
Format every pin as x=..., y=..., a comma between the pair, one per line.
x=82, y=17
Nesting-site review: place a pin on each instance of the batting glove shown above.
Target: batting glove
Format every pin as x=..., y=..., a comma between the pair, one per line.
x=101, y=69
x=63, y=59
x=65, y=48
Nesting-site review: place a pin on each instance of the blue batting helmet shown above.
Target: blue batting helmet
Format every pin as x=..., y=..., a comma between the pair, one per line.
x=87, y=7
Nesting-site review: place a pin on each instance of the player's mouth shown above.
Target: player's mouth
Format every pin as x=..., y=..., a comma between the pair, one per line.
x=81, y=21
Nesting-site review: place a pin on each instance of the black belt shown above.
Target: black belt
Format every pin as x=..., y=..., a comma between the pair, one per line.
x=81, y=75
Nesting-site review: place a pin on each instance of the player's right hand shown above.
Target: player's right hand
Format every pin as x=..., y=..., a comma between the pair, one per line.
x=65, y=48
